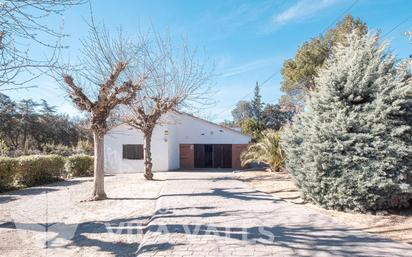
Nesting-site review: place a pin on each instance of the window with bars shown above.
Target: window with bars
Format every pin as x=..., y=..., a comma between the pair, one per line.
x=133, y=152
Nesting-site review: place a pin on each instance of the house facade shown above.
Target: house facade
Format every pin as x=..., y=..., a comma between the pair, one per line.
x=180, y=141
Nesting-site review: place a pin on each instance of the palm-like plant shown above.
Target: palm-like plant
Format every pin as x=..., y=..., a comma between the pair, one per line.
x=268, y=150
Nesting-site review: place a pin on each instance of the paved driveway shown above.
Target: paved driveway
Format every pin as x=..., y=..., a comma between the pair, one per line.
x=197, y=213
x=204, y=213
x=51, y=220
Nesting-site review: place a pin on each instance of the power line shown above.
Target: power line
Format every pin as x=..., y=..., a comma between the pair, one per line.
x=341, y=15
x=397, y=25
x=248, y=94
x=275, y=73
x=269, y=78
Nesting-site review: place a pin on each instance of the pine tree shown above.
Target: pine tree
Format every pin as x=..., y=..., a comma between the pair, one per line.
x=352, y=148
x=299, y=73
x=257, y=105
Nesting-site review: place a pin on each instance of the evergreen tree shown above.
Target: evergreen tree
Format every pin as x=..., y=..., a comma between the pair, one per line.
x=257, y=105
x=275, y=118
x=299, y=73
x=253, y=128
x=352, y=148
x=242, y=111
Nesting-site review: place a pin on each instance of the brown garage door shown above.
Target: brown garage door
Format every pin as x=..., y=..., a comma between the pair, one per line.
x=213, y=156
x=186, y=156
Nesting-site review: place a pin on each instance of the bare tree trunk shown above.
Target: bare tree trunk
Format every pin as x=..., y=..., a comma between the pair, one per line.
x=148, y=174
x=24, y=138
x=98, y=190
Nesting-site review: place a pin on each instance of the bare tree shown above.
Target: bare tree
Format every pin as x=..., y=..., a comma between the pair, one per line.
x=177, y=80
x=104, y=66
x=23, y=25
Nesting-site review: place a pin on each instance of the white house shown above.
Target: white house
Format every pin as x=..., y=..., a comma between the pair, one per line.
x=181, y=141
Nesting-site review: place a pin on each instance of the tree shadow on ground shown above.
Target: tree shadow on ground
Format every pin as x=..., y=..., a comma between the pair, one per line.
x=6, y=199
x=79, y=234
x=200, y=179
x=45, y=188
x=304, y=239
x=157, y=247
x=246, y=195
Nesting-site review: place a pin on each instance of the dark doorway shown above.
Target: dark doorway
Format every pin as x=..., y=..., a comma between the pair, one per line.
x=213, y=156
x=227, y=156
x=199, y=156
x=208, y=156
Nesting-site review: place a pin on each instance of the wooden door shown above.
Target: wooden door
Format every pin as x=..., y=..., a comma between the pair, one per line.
x=213, y=156
x=226, y=156
x=186, y=156
x=208, y=156
x=222, y=156
x=199, y=156
x=217, y=156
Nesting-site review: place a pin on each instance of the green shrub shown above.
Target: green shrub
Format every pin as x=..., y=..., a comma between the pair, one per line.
x=59, y=149
x=85, y=147
x=4, y=149
x=39, y=169
x=7, y=172
x=267, y=150
x=79, y=165
x=253, y=128
x=352, y=147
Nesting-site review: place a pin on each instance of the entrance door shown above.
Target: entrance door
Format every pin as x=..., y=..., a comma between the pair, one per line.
x=217, y=156
x=208, y=156
x=213, y=156
x=186, y=153
x=227, y=156
x=199, y=156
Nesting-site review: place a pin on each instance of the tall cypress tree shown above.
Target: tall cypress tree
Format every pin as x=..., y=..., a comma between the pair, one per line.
x=257, y=105
x=352, y=148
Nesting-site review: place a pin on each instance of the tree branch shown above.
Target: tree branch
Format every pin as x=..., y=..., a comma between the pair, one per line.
x=77, y=95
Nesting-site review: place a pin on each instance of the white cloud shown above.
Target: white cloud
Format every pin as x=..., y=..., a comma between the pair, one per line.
x=247, y=67
x=301, y=10
x=245, y=14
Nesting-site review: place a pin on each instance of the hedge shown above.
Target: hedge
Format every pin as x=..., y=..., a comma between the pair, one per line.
x=7, y=172
x=39, y=169
x=79, y=165
x=32, y=170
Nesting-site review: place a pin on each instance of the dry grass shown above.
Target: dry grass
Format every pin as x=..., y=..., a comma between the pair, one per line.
x=393, y=225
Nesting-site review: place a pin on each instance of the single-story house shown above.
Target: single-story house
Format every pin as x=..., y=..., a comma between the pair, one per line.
x=180, y=141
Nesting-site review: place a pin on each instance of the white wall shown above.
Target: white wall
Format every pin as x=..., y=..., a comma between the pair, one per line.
x=186, y=129
x=192, y=130
x=124, y=134
x=173, y=143
x=180, y=129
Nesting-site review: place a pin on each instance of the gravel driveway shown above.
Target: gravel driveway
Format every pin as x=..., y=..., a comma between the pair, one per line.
x=212, y=214
x=198, y=213
x=51, y=220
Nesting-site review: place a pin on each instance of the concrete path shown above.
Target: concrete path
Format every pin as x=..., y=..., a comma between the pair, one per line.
x=51, y=220
x=212, y=214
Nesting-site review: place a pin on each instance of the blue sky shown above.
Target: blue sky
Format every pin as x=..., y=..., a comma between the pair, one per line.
x=247, y=40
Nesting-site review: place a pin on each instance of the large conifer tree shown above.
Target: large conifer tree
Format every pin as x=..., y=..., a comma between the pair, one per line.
x=257, y=105
x=299, y=73
x=352, y=147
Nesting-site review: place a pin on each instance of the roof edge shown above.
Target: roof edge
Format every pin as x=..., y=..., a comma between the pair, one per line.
x=210, y=122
